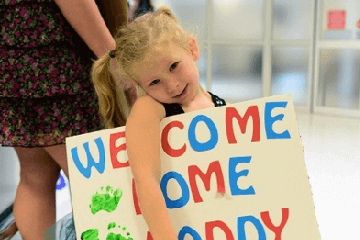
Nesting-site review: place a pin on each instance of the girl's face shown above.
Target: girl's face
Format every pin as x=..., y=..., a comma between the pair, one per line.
x=169, y=74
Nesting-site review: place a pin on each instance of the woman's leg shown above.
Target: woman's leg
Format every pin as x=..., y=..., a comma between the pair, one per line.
x=34, y=207
x=58, y=153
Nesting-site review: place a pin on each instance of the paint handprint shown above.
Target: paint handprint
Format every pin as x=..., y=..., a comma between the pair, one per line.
x=117, y=236
x=93, y=234
x=107, y=200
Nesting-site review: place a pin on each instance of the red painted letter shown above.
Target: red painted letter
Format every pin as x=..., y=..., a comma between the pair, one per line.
x=214, y=167
x=277, y=230
x=165, y=141
x=149, y=237
x=209, y=229
x=135, y=198
x=114, y=150
x=231, y=113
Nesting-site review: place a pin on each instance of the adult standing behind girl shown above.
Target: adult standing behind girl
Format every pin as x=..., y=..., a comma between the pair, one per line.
x=160, y=56
x=47, y=48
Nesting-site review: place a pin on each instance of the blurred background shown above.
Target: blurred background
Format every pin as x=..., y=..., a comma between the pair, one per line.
x=257, y=48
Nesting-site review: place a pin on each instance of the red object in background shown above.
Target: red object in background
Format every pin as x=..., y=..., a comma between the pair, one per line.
x=358, y=24
x=336, y=20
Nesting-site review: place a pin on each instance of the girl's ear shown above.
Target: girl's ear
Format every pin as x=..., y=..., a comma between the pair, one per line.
x=194, y=49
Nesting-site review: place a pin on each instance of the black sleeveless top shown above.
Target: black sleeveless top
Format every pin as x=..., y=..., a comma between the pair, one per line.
x=175, y=108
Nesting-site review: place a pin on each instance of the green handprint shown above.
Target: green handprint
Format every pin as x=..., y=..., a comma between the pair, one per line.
x=93, y=234
x=107, y=200
x=114, y=236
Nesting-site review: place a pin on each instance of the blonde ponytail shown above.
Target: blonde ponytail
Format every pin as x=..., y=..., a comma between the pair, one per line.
x=166, y=11
x=114, y=103
x=112, y=76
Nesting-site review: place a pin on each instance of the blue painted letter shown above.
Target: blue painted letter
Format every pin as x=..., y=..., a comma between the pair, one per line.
x=100, y=166
x=188, y=230
x=184, y=199
x=253, y=220
x=234, y=176
x=206, y=146
x=269, y=121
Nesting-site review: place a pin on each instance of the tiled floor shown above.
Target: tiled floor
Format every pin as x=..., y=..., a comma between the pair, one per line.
x=332, y=155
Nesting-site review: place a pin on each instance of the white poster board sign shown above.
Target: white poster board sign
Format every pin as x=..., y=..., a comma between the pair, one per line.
x=234, y=172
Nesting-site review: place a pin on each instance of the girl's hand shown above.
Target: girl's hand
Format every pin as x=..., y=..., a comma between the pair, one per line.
x=132, y=10
x=133, y=93
x=128, y=86
x=143, y=147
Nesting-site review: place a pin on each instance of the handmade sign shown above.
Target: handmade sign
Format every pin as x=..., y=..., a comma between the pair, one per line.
x=234, y=172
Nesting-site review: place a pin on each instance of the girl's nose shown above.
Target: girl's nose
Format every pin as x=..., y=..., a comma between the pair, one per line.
x=172, y=85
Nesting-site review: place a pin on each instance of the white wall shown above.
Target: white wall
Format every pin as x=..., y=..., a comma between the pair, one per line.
x=9, y=167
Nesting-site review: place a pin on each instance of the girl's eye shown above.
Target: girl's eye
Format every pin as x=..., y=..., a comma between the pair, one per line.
x=173, y=66
x=156, y=81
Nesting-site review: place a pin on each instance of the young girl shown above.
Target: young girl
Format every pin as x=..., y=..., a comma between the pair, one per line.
x=160, y=57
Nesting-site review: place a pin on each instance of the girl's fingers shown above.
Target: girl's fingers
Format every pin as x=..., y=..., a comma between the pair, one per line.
x=120, y=77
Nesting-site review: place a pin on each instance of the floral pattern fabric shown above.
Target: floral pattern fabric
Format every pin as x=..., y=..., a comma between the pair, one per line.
x=46, y=93
x=42, y=122
x=40, y=54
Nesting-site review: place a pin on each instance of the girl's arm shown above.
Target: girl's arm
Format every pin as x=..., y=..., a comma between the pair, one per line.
x=143, y=148
x=84, y=16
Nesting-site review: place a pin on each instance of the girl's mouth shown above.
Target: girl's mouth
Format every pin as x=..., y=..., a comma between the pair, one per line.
x=182, y=93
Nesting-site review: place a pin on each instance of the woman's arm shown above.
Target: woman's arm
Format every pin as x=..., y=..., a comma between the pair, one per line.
x=143, y=147
x=84, y=16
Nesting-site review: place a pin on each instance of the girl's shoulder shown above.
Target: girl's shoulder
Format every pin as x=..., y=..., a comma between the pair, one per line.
x=145, y=107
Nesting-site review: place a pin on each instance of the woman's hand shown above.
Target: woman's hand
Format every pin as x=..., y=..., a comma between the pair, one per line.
x=85, y=18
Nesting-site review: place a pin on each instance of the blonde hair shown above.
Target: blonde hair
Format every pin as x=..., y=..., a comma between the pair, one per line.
x=132, y=43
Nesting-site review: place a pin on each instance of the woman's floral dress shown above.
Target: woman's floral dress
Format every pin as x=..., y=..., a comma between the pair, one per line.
x=46, y=93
